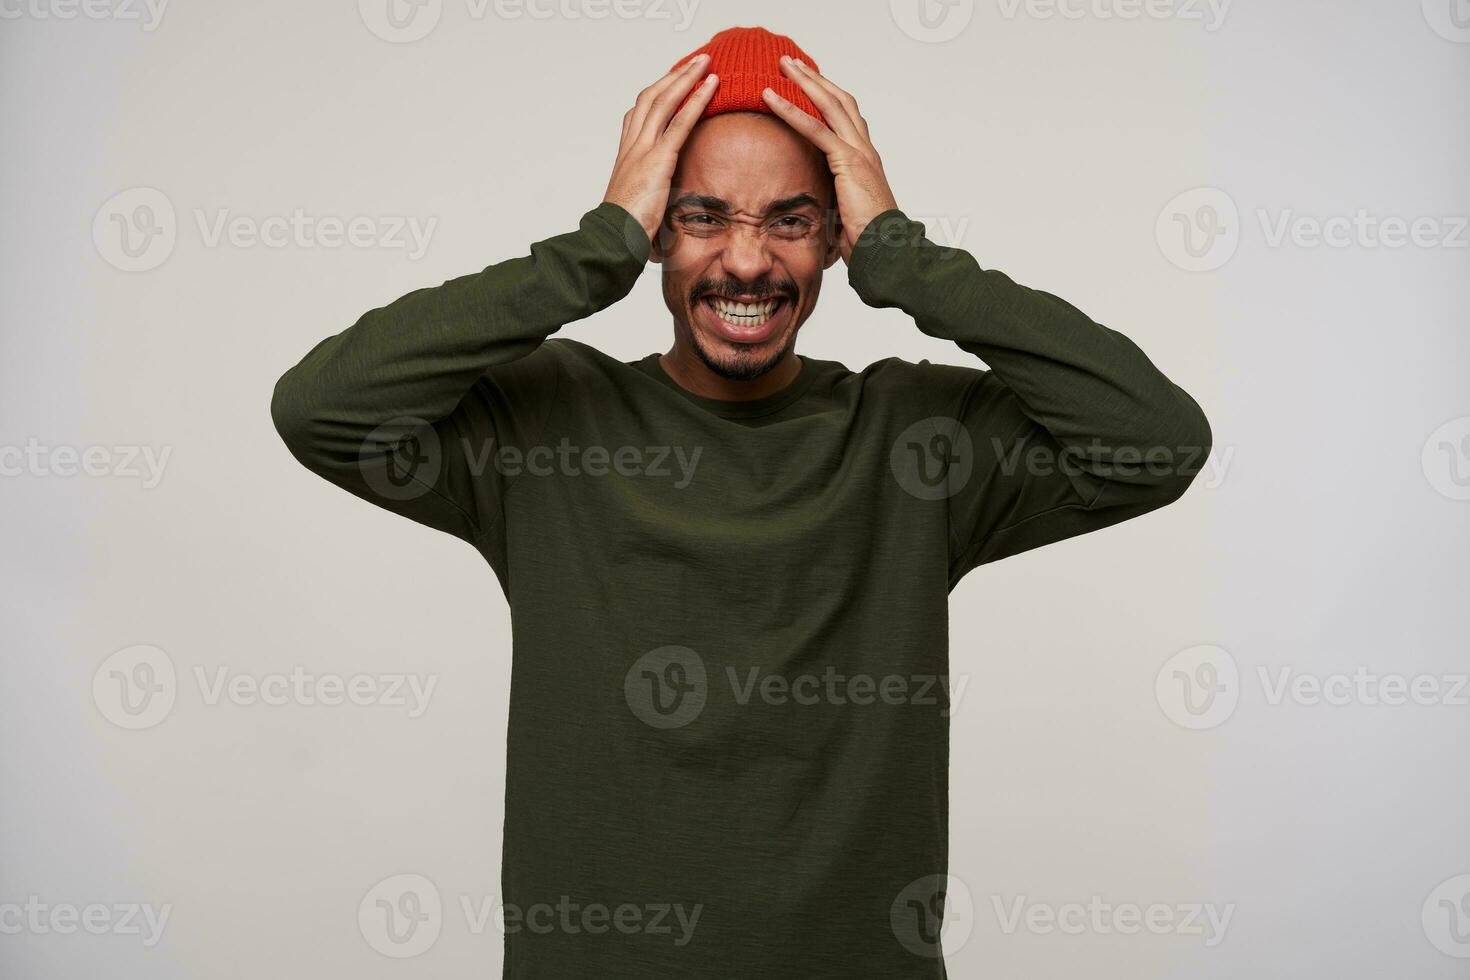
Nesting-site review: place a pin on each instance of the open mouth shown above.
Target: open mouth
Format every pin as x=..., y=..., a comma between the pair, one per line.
x=744, y=323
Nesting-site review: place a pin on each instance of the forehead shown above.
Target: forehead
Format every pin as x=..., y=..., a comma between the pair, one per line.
x=749, y=159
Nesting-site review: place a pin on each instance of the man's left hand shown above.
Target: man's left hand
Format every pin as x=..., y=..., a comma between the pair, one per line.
x=862, y=187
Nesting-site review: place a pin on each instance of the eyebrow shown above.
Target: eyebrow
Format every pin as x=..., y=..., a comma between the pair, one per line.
x=709, y=202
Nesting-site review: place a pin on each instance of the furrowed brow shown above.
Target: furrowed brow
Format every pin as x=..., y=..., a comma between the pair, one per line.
x=708, y=202
x=792, y=203
x=705, y=202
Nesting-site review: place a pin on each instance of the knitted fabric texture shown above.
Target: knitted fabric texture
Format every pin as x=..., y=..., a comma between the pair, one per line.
x=748, y=59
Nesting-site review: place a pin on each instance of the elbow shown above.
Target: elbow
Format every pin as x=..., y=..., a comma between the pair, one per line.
x=1189, y=453
x=291, y=415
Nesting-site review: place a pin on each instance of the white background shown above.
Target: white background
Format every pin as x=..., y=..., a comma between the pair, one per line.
x=1050, y=142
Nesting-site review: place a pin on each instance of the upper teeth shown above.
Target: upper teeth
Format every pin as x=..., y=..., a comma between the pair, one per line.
x=758, y=311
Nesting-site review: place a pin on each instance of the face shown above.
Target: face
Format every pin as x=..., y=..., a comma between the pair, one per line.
x=744, y=242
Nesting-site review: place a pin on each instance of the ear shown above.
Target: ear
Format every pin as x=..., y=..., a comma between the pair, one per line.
x=834, y=240
x=659, y=244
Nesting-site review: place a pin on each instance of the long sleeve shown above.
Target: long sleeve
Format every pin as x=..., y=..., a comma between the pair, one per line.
x=1071, y=429
x=406, y=407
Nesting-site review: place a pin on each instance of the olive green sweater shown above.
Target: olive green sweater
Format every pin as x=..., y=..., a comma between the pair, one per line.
x=728, y=735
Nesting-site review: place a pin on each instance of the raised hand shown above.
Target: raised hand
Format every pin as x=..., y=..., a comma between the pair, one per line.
x=653, y=134
x=862, y=188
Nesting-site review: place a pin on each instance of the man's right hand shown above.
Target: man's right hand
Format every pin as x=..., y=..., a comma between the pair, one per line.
x=650, y=144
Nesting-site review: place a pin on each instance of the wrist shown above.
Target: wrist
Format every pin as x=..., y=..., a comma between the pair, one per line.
x=629, y=226
x=886, y=231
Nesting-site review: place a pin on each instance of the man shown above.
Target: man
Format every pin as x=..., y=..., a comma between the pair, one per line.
x=728, y=565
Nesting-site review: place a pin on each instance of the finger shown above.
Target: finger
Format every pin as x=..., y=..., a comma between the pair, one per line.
x=841, y=95
x=804, y=123
x=686, y=117
x=656, y=97
x=641, y=103
x=837, y=115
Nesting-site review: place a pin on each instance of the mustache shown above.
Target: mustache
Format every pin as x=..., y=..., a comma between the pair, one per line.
x=761, y=289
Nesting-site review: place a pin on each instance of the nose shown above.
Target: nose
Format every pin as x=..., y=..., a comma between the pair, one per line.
x=745, y=257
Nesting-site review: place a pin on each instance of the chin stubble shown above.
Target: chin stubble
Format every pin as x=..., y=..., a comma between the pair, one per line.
x=746, y=365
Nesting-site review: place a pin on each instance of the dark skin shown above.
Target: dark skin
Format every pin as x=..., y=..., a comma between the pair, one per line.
x=744, y=207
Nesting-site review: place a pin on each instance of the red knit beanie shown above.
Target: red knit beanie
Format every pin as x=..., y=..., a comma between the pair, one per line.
x=748, y=59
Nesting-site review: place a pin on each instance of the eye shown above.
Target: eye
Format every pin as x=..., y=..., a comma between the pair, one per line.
x=791, y=225
x=698, y=219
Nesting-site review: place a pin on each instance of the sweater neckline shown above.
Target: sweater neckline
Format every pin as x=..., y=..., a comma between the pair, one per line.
x=735, y=408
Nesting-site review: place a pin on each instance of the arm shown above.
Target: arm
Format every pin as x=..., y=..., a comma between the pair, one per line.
x=406, y=407
x=1073, y=428
x=399, y=408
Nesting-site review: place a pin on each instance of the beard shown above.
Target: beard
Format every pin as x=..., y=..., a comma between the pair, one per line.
x=740, y=362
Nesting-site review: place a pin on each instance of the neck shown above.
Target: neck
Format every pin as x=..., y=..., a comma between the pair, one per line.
x=693, y=375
